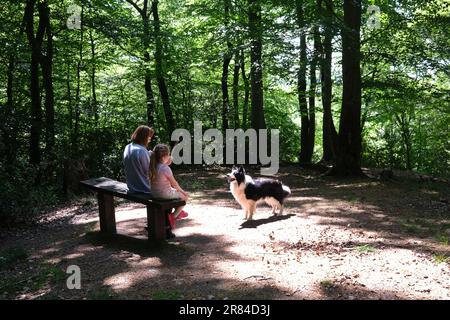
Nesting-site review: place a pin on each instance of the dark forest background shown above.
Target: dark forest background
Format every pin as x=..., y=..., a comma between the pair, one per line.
x=347, y=86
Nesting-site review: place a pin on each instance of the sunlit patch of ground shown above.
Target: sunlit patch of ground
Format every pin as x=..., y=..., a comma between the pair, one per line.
x=351, y=239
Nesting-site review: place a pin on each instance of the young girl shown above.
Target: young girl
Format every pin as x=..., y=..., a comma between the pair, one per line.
x=163, y=184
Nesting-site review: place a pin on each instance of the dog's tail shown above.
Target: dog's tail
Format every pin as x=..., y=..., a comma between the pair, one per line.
x=286, y=190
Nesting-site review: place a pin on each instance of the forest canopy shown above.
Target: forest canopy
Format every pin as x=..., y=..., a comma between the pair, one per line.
x=77, y=77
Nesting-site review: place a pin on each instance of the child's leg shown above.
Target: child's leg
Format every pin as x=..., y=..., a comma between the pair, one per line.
x=167, y=221
x=177, y=211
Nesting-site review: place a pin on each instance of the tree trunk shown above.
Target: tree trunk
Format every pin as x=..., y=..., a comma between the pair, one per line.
x=35, y=43
x=246, y=91
x=403, y=122
x=77, y=93
x=9, y=126
x=160, y=70
x=301, y=87
x=69, y=98
x=93, y=88
x=145, y=39
x=47, y=80
x=256, y=74
x=329, y=134
x=225, y=66
x=348, y=157
x=312, y=96
x=236, y=90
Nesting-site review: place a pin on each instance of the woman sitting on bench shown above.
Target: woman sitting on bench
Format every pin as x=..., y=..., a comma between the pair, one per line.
x=136, y=162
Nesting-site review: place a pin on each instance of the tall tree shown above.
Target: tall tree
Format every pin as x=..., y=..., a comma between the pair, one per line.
x=256, y=74
x=348, y=157
x=47, y=81
x=93, y=80
x=236, y=72
x=301, y=86
x=246, y=90
x=144, y=13
x=329, y=134
x=76, y=130
x=35, y=43
x=225, y=65
x=160, y=76
x=313, y=92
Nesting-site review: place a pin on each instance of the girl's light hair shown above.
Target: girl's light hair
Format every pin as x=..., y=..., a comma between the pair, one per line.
x=159, y=151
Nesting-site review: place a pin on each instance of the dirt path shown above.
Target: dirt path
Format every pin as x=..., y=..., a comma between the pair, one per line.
x=352, y=239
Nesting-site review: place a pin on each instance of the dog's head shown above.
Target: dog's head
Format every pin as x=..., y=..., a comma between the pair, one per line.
x=237, y=174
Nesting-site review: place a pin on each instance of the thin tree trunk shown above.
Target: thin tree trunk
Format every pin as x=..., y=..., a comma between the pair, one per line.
x=236, y=90
x=93, y=85
x=403, y=123
x=35, y=43
x=9, y=128
x=246, y=90
x=69, y=98
x=77, y=93
x=145, y=39
x=256, y=74
x=47, y=80
x=312, y=95
x=225, y=96
x=301, y=87
x=184, y=102
x=329, y=134
x=160, y=70
x=150, y=98
x=225, y=67
x=348, y=157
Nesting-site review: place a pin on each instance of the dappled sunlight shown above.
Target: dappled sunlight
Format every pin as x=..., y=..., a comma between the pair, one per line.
x=71, y=256
x=126, y=280
x=330, y=243
x=354, y=185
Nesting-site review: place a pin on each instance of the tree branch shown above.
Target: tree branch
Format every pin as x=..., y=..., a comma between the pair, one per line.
x=135, y=6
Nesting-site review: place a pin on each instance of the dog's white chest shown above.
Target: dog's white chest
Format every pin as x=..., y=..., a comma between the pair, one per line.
x=238, y=193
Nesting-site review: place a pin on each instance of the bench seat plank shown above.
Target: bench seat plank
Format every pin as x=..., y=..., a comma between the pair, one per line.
x=119, y=189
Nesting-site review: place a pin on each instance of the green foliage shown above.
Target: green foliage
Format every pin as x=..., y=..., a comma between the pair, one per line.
x=443, y=239
x=365, y=248
x=12, y=255
x=21, y=200
x=326, y=284
x=166, y=295
x=441, y=258
x=48, y=274
x=280, y=110
x=100, y=294
x=405, y=85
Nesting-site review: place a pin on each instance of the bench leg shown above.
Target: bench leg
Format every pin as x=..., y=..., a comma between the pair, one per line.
x=107, y=213
x=156, y=224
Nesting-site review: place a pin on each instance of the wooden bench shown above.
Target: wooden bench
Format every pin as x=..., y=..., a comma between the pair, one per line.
x=107, y=189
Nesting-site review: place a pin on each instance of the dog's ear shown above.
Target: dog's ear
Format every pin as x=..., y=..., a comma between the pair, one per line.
x=241, y=169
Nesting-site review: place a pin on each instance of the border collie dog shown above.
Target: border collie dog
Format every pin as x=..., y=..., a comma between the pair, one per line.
x=247, y=192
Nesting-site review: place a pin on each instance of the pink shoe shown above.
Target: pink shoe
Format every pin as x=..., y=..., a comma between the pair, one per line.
x=183, y=214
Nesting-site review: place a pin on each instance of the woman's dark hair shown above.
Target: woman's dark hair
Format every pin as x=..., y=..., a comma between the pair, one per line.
x=141, y=135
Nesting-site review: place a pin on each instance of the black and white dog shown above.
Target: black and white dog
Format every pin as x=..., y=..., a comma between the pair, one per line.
x=247, y=192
